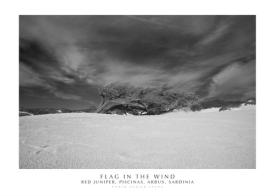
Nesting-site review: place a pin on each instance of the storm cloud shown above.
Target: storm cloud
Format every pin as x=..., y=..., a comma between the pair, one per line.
x=64, y=60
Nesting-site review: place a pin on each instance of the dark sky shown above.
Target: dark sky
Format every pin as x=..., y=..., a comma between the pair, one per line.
x=65, y=59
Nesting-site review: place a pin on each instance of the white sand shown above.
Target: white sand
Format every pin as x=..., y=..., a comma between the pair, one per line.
x=206, y=139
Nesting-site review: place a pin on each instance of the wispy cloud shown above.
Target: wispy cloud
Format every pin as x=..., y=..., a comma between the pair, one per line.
x=72, y=56
x=238, y=81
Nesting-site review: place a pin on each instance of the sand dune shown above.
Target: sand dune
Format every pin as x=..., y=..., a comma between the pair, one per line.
x=206, y=139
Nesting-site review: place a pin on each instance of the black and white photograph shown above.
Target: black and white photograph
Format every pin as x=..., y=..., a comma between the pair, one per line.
x=137, y=92
x=131, y=98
